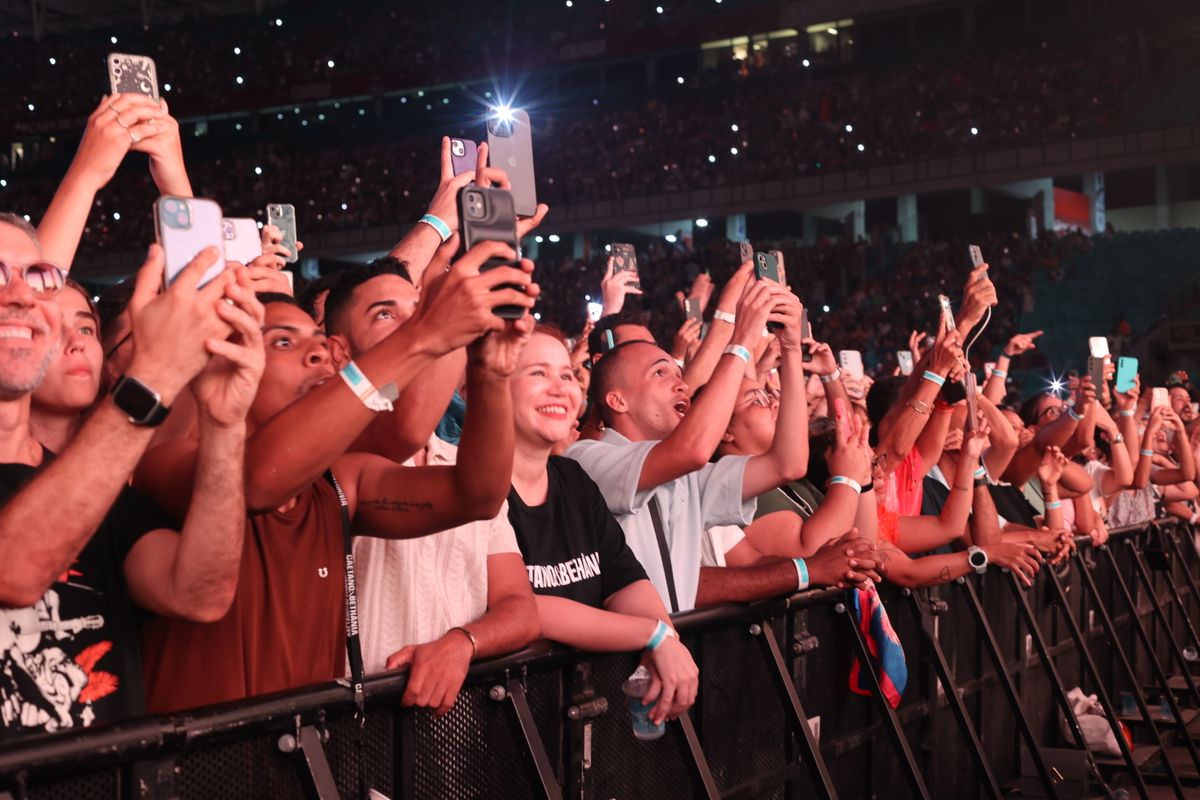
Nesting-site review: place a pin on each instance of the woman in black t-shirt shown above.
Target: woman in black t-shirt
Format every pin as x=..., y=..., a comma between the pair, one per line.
x=591, y=591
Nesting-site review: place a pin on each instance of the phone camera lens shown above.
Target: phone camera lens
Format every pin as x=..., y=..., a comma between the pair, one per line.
x=457, y=148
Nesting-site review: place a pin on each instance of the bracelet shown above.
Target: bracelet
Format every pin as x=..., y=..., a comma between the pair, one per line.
x=739, y=351
x=870, y=487
x=443, y=230
x=999, y=373
x=919, y=406
x=844, y=481
x=801, y=574
x=981, y=473
x=1073, y=414
x=1118, y=439
x=662, y=632
x=934, y=378
x=1009, y=356
x=1053, y=505
x=1125, y=412
x=364, y=390
x=724, y=316
x=1148, y=452
x=836, y=375
x=471, y=636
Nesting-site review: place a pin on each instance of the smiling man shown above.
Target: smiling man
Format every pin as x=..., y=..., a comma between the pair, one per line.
x=653, y=462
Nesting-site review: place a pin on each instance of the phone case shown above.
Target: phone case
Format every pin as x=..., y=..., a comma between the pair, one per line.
x=766, y=267
x=946, y=311
x=510, y=148
x=971, y=391
x=594, y=310
x=976, y=255
x=132, y=74
x=184, y=226
x=1097, y=353
x=464, y=155
x=745, y=252
x=283, y=216
x=1127, y=370
x=486, y=215
x=243, y=243
x=851, y=363
x=1159, y=397
x=905, y=360
x=625, y=260
x=693, y=310
x=805, y=332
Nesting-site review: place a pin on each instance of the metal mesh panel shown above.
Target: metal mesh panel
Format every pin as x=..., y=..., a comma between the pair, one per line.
x=624, y=767
x=741, y=723
x=342, y=750
x=253, y=769
x=102, y=785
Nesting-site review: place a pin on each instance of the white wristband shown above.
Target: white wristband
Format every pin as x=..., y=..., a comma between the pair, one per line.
x=364, y=390
x=836, y=375
x=843, y=480
x=724, y=316
x=739, y=351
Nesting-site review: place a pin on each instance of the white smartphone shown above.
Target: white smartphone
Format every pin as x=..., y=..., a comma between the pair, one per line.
x=1159, y=397
x=243, y=242
x=594, y=310
x=851, y=363
x=946, y=311
x=1097, y=356
x=184, y=226
x=905, y=360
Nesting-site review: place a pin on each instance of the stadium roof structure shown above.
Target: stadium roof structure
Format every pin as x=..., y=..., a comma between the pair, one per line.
x=40, y=17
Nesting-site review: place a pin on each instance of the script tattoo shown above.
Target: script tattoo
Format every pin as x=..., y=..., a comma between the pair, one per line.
x=393, y=504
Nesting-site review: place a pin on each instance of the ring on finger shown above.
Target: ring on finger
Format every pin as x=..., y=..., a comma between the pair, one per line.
x=133, y=137
x=122, y=124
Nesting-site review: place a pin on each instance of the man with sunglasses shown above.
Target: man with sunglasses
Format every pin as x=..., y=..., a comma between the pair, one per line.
x=80, y=547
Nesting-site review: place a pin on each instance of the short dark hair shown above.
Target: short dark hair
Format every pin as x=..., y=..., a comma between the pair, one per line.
x=1028, y=411
x=884, y=394
x=307, y=297
x=597, y=339
x=343, y=289
x=604, y=374
x=113, y=302
x=266, y=298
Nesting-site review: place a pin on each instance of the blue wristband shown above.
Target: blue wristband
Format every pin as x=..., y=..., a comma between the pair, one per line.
x=844, y=481
x=999, y=373
x=1073, y=414
x=1126, y=412
x=934, y=378
x=1054, y=505
x=739, y=351
x=443, y=230
x=1147, y=452
x=981, y=473
x=801, y=574
x=661, y=631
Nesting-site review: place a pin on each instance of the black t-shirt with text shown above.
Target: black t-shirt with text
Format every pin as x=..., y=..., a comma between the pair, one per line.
x=71, y=660
x=572, y=545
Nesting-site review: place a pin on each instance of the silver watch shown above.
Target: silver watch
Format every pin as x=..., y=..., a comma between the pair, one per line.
x=977, y=558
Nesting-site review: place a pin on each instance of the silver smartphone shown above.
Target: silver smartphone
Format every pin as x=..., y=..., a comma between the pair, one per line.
x=184, y=226
x=283, y=216
x=905, y=360
x=510, y=148
x=243, y=242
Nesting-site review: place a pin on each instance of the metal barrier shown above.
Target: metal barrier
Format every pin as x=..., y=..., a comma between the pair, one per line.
x=989, y=667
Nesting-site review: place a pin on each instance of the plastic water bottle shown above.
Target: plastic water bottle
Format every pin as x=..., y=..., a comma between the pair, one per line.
x=635, y=688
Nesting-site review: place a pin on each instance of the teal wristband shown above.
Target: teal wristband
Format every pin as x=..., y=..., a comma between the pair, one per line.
x=739, y=351
x=934, y=378
x=999, y=373
x=443, y=230
x=1128, y=412
x=661, y=631
x=980, y=473
x=1054, y=505
x=1147, y=452
x=801, y=574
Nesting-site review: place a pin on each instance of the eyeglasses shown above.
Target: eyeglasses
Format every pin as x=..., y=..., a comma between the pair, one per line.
x=1053, y=412
x=42, y=278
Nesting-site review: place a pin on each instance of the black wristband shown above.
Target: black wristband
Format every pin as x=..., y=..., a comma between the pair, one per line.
x=868, y=487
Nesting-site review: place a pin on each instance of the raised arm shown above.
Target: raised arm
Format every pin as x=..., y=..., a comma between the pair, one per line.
x=295, y=446
x=699, y=370
x=902, y=425
x=52, y=517
x=194, y=575
x=996, y=387
x=918, y=534
x=1182, y=447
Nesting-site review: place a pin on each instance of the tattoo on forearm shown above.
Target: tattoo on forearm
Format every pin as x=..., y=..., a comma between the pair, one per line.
x=942, y=577
x=393, y=504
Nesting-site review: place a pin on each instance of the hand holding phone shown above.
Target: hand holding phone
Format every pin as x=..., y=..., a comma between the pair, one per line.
x=1097, y=357
x=1127, y=370
x=904, y=358
x=132, y=74
x=185, y=226
x=283, y=216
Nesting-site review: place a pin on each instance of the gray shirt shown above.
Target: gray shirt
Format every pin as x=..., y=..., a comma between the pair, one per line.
x=712, y=495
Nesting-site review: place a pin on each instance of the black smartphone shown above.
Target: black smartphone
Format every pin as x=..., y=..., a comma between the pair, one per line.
x=806, y=332
x=487, y=215
x=766, y=268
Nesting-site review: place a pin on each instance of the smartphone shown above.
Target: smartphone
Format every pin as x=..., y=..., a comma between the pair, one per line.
x=971, y=390
x=243, y=243
x=486, y=215
x=510, y=147
x=625, y=260
x=766, y=267
x=692, y=309
x=594, y=311
x=805, y=333
x=1097, y=355
x=905, y=360
x=1127, y=370
x=1159, y=397
x=132, y=74
x=946, y=311
x=283, y=216
x=851, y=363
x=464, y=155
x=745, y=252
x=780, y=266
x=184, y=226
x=976, y=255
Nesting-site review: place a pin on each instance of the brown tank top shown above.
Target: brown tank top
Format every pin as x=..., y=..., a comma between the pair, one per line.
x=287, y=624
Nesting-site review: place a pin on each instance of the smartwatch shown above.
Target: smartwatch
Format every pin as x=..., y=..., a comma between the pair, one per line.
x=139, y=402
x=978, y=559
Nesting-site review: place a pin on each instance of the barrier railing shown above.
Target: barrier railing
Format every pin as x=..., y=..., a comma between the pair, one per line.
x=990, y=665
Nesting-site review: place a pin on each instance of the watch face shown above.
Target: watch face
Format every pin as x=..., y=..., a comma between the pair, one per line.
x=134, y=399
x=977, y=559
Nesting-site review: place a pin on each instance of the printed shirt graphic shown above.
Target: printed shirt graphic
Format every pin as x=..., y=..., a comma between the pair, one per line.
x=71, y=660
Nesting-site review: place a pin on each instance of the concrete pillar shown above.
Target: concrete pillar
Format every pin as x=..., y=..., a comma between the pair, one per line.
x=978, y=200
x=735, y=227
x=1162, y=198
x=1093, y=187
x=906, y=217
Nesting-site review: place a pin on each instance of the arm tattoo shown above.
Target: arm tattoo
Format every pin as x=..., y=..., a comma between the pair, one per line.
x=393, y=504
x=942, y=577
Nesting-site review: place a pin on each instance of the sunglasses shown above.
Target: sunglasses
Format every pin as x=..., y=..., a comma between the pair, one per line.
x=42, y=278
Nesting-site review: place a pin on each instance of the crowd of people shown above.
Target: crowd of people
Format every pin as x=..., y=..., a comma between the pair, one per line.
x=353, y=166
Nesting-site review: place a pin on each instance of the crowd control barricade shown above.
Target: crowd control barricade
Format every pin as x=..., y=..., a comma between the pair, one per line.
x=985, y=711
